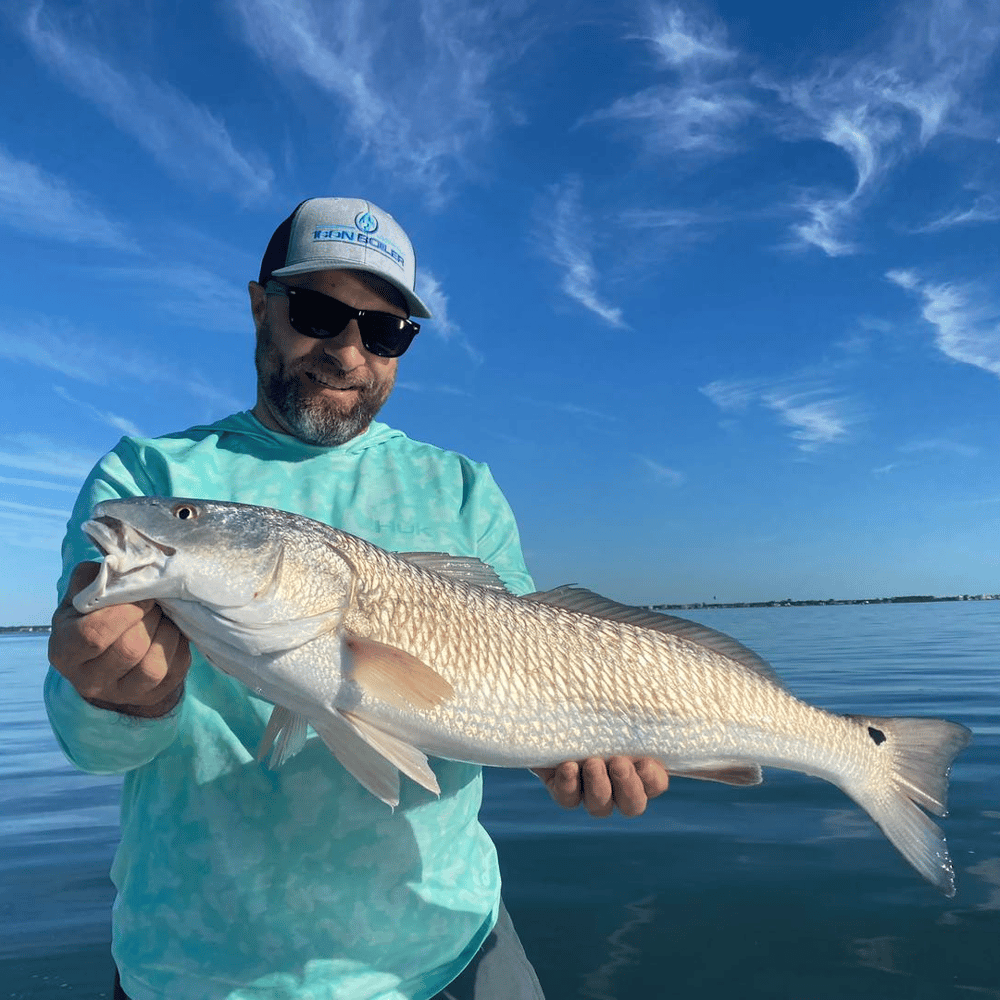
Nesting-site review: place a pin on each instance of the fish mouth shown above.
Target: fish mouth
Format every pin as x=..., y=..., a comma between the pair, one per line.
x=113, y=536
x=132, y=562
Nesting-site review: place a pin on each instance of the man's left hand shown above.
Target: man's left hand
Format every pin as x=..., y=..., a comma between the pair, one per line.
x=626, y=782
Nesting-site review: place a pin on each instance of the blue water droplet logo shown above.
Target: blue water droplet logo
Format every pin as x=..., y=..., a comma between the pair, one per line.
x=366, y=222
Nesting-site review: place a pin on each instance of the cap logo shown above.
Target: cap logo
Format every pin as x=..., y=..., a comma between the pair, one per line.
x=366, y=222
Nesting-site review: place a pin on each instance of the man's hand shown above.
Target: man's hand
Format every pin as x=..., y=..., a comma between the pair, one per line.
x=129, y=658
x=626, y=782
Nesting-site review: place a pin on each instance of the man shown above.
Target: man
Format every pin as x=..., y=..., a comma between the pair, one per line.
x=233, y=880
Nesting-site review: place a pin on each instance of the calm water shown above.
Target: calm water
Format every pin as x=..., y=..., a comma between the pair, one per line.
x=781, y=891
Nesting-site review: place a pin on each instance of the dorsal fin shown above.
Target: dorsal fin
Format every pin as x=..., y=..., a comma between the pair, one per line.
x=466, y=569
x=586, y=602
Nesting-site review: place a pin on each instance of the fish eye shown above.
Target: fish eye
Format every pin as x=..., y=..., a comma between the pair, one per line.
x=184, y=512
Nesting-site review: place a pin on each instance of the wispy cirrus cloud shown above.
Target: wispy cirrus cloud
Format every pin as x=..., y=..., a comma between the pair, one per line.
x=568, y=246
x=38, y=484
x=190, y=293
x=410, y=84
x=881, y=107
x=702, y=106
x=966, y=319
x=185, y=138
x=59, y=346
x=985, y=208
x=41, y=204
x=940, y=446
x=37, y=453
x=122, y=424
x=660, y=472
x=816, y=414
x=682, y=38
x=878, y=105
x=431, y=291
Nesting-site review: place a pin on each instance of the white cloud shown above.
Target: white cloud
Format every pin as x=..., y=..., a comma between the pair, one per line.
x=410, y=82
x=572, y=409
x=37, y=484
x=660, y=472
x=823, y=228
x=905, y=279
x=567, y=245
x=696, y=117
x=122, y=424
x=39, y=203
x=681, y=39
x=35, y=453
x=702, y=107
x=185, y=138
x=190, y=293
x=815, y=414
x=59, y=346
x=438, y=389
x=941, y=446
x=430, y=290
x=670, y=219
x=966, y=321
x=814, y=421
x=985, y=208
x=881, y=107
x=34, y=509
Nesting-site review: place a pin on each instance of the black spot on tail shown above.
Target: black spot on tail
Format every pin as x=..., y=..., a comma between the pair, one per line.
x=877, y=735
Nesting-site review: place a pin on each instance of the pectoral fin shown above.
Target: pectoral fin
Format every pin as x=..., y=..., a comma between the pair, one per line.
x=393, y=676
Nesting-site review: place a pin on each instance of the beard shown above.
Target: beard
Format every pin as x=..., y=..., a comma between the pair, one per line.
x=313, y=416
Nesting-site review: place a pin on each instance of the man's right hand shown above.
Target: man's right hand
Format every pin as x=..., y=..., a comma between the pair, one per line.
x=130, y=658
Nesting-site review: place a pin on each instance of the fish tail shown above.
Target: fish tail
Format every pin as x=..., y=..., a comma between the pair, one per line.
x=921, y=754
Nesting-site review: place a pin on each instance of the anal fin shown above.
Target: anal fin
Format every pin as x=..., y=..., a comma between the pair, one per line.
x=728, y=773
x=411, y=761
x=365, y=764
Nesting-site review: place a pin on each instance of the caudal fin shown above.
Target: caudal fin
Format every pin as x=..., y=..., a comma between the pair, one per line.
x=922, y=751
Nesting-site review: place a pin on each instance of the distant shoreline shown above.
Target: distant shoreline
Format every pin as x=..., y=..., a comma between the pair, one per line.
x=695, y=606
x=789, y=603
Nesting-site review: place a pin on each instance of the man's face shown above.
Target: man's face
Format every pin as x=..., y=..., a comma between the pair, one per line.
x=323, y=392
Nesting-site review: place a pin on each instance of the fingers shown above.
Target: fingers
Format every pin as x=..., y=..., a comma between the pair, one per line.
x=128, y=657
x=626, y=782
x=654, y=776
x=154, y=657
x=563, y=783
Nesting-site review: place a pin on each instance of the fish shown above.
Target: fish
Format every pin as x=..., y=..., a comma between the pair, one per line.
x=392, y=658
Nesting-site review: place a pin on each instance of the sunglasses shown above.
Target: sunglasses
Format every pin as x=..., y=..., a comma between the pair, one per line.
x=321, y=317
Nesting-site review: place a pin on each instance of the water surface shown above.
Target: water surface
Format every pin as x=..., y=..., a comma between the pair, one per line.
x=785, y=890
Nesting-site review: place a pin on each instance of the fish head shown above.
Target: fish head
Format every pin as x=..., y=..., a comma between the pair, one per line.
x=215, y=554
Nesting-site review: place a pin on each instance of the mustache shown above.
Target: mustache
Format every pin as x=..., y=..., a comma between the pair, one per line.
x=330, y=372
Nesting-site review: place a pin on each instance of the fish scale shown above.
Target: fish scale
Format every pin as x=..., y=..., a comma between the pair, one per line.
x=392, y=658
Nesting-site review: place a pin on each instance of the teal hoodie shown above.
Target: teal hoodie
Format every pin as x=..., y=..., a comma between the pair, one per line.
x=239, y=882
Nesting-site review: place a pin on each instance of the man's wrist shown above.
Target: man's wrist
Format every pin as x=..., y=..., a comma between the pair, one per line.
x=154, y=711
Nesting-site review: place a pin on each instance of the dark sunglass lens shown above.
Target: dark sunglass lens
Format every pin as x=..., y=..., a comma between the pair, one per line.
x=322, y=317
x=316, y=315
x=387, y=336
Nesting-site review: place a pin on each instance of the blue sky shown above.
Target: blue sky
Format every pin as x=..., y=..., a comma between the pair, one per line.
x=715, y=285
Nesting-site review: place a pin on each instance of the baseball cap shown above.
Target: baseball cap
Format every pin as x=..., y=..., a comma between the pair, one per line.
x=338, y=234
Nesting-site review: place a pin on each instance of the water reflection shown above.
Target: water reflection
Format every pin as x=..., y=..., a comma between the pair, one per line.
x=598, y=985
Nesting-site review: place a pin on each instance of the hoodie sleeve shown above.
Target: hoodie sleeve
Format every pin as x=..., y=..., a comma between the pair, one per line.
x=498, y=540
x=97, y=740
